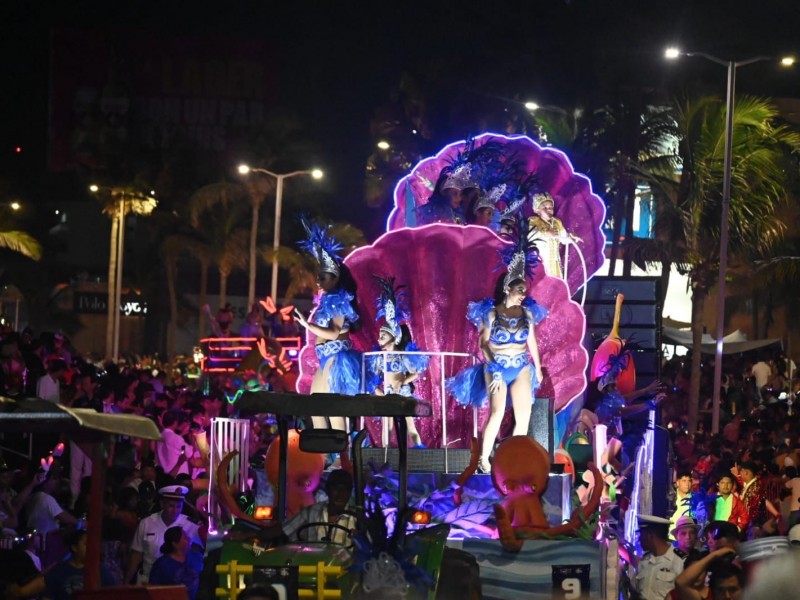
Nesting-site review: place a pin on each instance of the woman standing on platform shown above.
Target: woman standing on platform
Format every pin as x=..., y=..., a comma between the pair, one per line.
x=508, y=346
x=335, y=317
x=399, y=371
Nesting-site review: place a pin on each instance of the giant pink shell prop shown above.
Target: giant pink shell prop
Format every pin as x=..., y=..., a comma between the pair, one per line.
x=581, y=211
x=445, y=267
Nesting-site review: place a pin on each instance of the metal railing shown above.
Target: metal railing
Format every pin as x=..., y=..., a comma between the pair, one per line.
x=442, y=391
x=323, y=574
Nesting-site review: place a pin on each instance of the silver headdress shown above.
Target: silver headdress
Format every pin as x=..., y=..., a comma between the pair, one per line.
x=510, y=211
x=483, y=201
x=322, y=246
x=540, y=198
x=392, y=306
x=460, y=178
x=469, y=167
x=520, y=259
x=498, y=176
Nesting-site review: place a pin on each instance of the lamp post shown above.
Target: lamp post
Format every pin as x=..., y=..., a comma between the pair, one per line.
x=123, y=201
x=276, y=237
x=731, y=66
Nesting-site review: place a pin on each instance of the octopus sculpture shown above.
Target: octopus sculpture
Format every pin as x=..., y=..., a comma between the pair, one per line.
x=520, y=472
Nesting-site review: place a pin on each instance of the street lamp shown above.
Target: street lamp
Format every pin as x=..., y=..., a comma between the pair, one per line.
x=123, y=201
x=276, y=238
x=731, y=65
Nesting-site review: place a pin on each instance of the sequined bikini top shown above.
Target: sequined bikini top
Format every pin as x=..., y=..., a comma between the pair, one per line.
x=509, y=330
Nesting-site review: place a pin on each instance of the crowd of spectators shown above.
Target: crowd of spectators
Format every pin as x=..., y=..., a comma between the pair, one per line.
x=735, y=489
x=738, y=485
x=43, y=507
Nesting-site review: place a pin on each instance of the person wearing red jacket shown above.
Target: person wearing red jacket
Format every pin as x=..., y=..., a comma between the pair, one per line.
x=752, y=495
x=728, y=506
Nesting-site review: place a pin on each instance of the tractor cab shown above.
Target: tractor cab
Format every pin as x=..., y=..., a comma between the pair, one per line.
x=328, y=568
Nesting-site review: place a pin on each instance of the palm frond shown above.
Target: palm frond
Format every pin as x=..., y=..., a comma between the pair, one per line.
x=21, y=242
x=223, y=195
x=646, y=252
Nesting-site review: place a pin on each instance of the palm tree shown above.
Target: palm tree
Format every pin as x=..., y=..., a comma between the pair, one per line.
x=302, y=268
x=21, y=242
x=218, y=213
x=118, y=202
x=687, y=185
x=177, y=240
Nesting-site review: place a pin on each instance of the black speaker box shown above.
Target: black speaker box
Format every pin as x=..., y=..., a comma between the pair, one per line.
x=421, y=460
x=640, y=319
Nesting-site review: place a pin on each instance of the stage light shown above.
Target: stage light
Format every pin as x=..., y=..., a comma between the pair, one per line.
x=263, y=513
x=421, y=517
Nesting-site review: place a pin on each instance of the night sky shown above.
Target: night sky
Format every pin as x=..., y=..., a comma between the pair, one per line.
x=336, y=62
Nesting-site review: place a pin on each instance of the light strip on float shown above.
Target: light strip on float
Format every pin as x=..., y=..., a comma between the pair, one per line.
x=644, y=465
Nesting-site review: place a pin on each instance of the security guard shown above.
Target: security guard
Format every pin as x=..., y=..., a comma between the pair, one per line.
x=661, y=563
x=149, y=536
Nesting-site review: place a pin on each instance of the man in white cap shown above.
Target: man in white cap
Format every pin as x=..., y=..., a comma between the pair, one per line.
x=149, y=536
x=685, y=534
x=661, y=563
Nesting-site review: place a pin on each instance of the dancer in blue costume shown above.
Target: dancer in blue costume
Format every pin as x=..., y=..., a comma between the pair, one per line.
x=507, y=338
x=399, y=371
x=335, y=317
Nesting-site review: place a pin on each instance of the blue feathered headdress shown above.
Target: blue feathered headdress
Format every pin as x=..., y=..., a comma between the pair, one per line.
x=392, y=305
x=498, y=177
x=470, y=163
x=322, y=246
x=520, y=259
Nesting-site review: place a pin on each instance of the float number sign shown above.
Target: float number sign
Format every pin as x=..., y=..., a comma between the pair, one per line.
x=571, y=582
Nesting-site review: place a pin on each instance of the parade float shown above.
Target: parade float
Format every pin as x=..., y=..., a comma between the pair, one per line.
x=534, y=523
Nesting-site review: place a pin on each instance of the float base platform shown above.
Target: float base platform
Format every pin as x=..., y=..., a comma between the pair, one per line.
x=542, y=570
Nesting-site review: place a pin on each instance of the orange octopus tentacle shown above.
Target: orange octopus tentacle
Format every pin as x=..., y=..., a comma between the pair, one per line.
x=225, y=494
x=506, y=533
